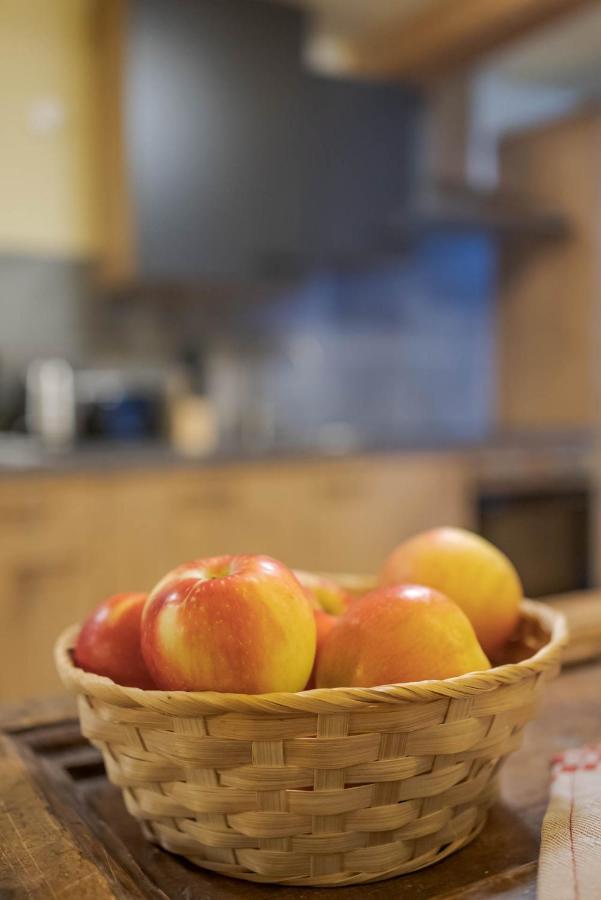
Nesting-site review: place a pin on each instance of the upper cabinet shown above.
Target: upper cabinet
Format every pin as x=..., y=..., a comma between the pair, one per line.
x=237, y=162
x=214, y=114
x=48, y=174
x=360, y=146
x=182, y=139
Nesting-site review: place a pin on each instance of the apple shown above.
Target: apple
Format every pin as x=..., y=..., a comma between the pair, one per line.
x=324, y=623
x=109, y=641
x=237, y=624
x=399, y=634
x=469, y=570
x=325, y=593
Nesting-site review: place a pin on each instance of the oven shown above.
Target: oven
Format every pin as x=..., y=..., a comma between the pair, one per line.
x=545, y=529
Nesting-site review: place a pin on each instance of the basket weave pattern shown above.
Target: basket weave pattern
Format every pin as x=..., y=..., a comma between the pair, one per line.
x=338, y=786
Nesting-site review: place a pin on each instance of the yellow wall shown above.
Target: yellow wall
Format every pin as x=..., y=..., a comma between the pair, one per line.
x=48, y=196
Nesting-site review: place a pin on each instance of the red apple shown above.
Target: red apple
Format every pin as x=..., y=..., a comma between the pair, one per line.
x=237, y=624
x=109, y=641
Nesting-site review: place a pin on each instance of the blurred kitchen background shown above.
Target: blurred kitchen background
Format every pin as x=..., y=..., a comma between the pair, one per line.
x=297, y=277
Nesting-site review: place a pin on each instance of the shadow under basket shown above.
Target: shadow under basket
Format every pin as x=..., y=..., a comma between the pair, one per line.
x=336, y=786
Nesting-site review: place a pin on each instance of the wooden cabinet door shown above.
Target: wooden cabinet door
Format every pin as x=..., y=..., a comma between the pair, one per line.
x=325, y=515
x=39, y=598
x=340, y=497
x=39, y=513
x=248, y=509
x=281, y=513
x=364, y=507
x=130, y=544
x=207, y=514
x=44, y=583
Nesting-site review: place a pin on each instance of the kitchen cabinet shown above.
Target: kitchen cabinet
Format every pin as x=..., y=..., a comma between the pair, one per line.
x=328, y=515
x=236, y=163
x=288, y=513
x=130, y=535
x=255, y=508
x=214, y=115
x=207, y=513
x=367, y=506
x=549, y=307
x=44, y=582
x=68, y=540
x=50, y=137
x=360, y=151
x=40, y=598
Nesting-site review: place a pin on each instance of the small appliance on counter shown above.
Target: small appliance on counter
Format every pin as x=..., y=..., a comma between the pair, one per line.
x=50, y=406
x=12, y=401
x=191, y=417
x=120, y=404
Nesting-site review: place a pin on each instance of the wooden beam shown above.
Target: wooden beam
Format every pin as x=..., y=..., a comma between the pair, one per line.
x=439, y=38
x=117, y=257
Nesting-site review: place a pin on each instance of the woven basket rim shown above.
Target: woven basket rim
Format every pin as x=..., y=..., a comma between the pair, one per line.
x=190, y=703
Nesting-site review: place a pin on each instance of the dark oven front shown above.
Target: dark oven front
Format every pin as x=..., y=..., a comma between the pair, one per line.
x=545, y=530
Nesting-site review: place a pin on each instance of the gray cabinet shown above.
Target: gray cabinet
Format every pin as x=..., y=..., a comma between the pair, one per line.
x=243, y=164
x=360, y=156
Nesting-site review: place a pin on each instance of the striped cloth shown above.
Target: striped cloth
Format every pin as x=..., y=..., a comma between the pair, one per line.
x=570, y=856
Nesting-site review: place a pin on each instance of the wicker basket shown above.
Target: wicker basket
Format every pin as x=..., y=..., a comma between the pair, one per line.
x=327, y=787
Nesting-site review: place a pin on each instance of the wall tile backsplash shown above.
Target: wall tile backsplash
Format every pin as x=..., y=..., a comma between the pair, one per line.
x=43, y=309
x=403, y=351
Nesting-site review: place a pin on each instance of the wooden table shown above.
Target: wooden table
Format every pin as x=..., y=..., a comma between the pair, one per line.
x=64, y=831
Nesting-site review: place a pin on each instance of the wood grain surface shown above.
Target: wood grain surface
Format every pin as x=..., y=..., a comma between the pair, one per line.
x=40, y=855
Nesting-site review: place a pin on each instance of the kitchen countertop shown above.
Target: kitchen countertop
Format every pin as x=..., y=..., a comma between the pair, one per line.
x=21, y=454
x=62, y=823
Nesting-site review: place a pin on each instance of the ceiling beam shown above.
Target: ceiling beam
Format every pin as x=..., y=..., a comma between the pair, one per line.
x=437, y=39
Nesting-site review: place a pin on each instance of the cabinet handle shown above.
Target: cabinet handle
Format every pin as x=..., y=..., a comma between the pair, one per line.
x=23, y=515
x=38, y=571
x=210, y=500
x=343, y=490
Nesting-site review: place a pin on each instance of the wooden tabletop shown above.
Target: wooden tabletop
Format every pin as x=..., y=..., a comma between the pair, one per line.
x=64, y=831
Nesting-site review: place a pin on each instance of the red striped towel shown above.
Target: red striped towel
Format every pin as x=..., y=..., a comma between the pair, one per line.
x=570, y=856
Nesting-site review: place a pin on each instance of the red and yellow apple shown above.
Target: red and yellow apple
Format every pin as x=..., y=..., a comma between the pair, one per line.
x=469, y=570
x=324, y=623
x=229, y=623
x=109, y=641
x=325, y=593
x=399, y=634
